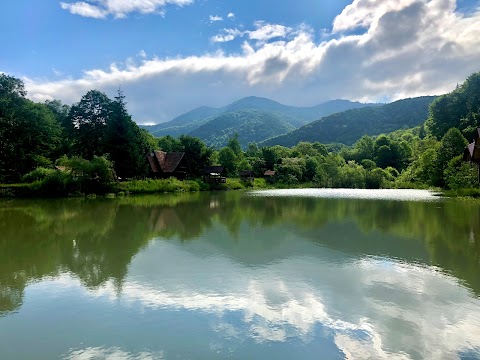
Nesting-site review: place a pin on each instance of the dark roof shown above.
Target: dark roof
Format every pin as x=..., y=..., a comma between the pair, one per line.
x=213, y=169
x=161, y=161
x=246, y=173
x=171, y=161
x=269, y=173
x=153, y=163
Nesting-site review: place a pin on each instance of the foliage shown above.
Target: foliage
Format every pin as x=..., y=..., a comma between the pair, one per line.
x=228, y=160
x=196, y=152
x=459, y=174
x=39, y=173
x=459, y=109
x=29, y=132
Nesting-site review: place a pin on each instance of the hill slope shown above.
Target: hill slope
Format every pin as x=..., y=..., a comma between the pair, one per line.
x=251, y=126
x=296, y=116
x=349, y=126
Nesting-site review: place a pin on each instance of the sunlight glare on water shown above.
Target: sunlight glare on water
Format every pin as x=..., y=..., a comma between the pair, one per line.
x=371, y=194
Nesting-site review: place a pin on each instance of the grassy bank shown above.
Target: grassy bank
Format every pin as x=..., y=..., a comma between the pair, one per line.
x=39, y=189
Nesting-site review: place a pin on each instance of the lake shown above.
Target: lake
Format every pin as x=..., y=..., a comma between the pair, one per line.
x=280, y=274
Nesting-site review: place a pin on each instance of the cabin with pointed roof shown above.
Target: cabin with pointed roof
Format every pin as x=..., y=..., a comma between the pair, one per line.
x=472, y=152
x=164, y=165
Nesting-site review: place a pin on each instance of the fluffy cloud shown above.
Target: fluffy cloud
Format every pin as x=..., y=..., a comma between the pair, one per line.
x=100, y=9
x=84, y=9
x=265, y=32
x=231, y=15
x=227, y=35
x=408, y=48
x=215, y=18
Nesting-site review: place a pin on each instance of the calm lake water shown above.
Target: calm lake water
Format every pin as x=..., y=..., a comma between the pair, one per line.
x=288, y=274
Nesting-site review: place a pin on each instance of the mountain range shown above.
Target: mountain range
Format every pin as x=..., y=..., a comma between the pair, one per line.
x=270, y=123
x=348, y=126
x=253, y=118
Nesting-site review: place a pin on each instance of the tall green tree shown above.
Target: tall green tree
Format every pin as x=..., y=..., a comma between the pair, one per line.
x=124, y=141
x=29, y=132
x=228, y=160
x=460, y=109
x=452, y=144
x=88, y=124
x=197, y=153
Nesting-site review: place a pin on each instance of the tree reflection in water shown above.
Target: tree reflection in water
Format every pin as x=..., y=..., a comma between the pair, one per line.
x=96, y=239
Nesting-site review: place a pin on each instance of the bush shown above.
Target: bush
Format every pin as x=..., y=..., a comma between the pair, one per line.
x=39, y=173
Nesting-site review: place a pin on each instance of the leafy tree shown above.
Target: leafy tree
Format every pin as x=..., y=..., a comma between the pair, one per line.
x=29, y=132
x=124, y=141
x=234, y=144
x=311, y=168
x=169, y=144
x=460, y=174
x=452, y=144
x=197, y=153
x=460, y=109
x=88, y=123
x=228, y=160
x=352, y=175
x=253, y=150
x=375, y=178
x=291, y=170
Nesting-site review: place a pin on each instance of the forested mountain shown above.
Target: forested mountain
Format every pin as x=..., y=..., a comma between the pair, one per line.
x=250, y=125
x=296, y=116
x=460, y=109
x=349, y=126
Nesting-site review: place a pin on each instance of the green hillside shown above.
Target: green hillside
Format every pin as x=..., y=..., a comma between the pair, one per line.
x=251, y=126
x=349, y=126
x=295, y=116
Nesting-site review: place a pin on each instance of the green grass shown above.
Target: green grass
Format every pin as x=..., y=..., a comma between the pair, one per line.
x=472, y=193
x=158, y=186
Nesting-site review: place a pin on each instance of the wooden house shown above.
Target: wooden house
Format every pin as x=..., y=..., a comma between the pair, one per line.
x=246, y=175
x=472, y=152
x=269, y=173
x=164, y=165
x=214, y=174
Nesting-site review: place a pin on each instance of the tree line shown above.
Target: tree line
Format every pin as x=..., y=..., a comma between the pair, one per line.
x=99, y=140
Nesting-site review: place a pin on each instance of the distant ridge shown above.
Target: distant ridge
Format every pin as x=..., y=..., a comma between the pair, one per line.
x=348, y=126
x=189, y=122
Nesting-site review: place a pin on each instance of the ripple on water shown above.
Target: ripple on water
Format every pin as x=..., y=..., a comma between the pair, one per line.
x=371, y=194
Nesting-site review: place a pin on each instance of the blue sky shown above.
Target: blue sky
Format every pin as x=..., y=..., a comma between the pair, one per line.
x=170, y=56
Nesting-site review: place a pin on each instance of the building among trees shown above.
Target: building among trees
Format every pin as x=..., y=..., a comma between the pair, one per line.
x=165, y=165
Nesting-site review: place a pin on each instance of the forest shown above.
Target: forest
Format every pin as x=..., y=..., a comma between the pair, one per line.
x=101, y=145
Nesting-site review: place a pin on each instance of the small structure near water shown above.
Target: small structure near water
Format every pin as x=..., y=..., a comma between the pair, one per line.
x=472, y=152
x=165, y=165
x=246, y=175
x=214, y=174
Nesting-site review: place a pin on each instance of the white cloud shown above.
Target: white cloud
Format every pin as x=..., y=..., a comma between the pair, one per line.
x=408, y=49
x=215, y=18
x=231, y=15
x=227, y=35
x=84, y=9
x=142, y=54
x=100, y=9
x=265, y=32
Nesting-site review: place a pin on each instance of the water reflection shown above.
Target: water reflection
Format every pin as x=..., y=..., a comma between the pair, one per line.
x=352, y=278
